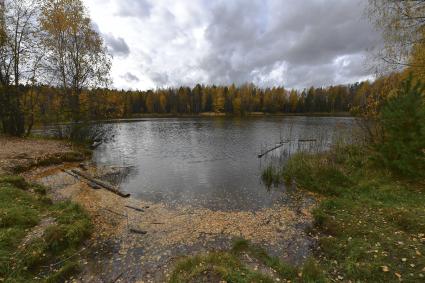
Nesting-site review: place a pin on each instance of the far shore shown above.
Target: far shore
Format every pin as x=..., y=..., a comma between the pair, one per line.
x=142, y=117
x=249, y=114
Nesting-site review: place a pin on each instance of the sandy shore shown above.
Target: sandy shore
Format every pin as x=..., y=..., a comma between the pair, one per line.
x=116, y=254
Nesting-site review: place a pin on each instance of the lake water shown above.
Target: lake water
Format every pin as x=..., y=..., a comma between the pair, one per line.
x=212, y=162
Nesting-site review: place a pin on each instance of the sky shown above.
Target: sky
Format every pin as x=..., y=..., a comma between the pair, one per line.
x=297, y=44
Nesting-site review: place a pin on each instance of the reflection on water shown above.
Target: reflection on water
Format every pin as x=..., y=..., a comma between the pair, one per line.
x=211, y=162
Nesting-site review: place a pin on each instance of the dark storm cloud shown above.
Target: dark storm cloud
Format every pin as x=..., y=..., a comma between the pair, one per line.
x=308, y=35
x=117, y=45
x=268, y=42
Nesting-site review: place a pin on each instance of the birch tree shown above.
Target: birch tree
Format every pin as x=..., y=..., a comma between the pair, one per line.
x=76, y=56
x=19, y=57
x=403, y=27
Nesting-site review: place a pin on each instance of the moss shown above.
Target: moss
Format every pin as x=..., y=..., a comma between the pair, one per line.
x=16, y=181
x=285, y=271
x=22, y=210
x=218, y=265
x=312, y=272
x=39, y=189
x=64, y=273
x=229, y=266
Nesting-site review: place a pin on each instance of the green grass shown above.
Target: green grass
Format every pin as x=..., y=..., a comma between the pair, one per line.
x=229, y=266
x=22, y=206
x=371, y=224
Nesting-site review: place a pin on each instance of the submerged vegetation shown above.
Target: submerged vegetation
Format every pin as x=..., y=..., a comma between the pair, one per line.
x=39, y=240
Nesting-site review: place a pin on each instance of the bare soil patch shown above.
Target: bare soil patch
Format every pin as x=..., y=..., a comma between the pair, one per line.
x=19, y=154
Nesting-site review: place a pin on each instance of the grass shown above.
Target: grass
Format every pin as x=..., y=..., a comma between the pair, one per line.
x=371, y=223
x=229, y=266
x=22, y=207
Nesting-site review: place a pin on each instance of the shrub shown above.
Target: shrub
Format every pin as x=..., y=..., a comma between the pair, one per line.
x=402, y=120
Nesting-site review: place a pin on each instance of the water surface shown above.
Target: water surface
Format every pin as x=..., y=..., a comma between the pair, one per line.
x=211, y=162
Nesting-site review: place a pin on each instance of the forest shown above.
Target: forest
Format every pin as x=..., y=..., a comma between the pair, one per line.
x=231, y=100
x=54, y=67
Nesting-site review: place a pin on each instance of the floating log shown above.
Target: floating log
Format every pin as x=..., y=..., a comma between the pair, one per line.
x=274, y=148
x=95, y=145
x=136, y=231
x=135, y=208
x=307, y=140
x=100, y=183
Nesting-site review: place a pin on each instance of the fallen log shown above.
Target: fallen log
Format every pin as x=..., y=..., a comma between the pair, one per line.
x=100, y=183
x=137, y=231
x=88, y=182
x=116, y=213
x=307, y=140
x=282, y=143
x=135, y=208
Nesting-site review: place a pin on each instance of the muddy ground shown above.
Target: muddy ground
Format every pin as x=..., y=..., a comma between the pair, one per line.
x=139, y=241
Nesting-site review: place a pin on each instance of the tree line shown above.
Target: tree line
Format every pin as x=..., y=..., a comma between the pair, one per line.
x=54, y=67
x=103, y=103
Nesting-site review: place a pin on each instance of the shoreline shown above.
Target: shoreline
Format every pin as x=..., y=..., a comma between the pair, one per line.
x=206, y=115
x=168, y=233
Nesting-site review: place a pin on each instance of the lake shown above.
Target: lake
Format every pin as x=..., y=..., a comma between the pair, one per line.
x=212, y=162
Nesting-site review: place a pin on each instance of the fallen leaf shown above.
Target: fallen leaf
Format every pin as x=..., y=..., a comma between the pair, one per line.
x=385, y=268
x=397, y=274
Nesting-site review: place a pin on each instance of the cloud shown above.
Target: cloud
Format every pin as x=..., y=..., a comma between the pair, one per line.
x=129, y=77
x=133, y=8
x=117, y=45
x=268, y=42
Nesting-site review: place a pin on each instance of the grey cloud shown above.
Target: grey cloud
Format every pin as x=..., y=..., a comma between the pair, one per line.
x=304, y=34
x=117, y=45
x=268, y=42
x=129, y=77
x=160, y=79
x=134, y=8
